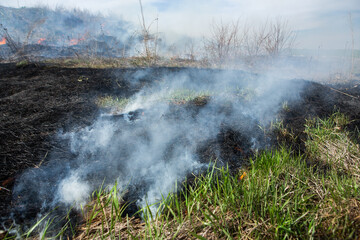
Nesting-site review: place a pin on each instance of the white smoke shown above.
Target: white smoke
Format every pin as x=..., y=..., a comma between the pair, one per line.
x=72, y=190
x=161, y=143
x=160, y=148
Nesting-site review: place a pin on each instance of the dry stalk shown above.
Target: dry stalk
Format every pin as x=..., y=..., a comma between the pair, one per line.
x=279, y=38
x=32, y=28
x=352, y=45
x=341, y=154
x=225, y=42
x=145, y=32
x=229, y=43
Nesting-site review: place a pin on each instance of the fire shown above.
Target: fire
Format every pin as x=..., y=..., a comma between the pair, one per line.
x=41, y=40
x=242, y=176
x=76, y=41
x=3, y=41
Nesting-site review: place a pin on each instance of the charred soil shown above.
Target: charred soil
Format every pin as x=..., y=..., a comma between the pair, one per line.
x=36, y=101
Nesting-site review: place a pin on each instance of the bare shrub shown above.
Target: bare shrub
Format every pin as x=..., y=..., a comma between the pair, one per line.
x=279, y=38
x=150, y=40
x=190, y=50
x=230, y=43
x=224, y=43
x=254, y=42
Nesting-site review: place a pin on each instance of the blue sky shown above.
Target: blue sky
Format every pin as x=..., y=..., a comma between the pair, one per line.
x=318, y=23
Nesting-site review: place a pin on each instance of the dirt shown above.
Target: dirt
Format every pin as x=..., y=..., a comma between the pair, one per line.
x=36, y=101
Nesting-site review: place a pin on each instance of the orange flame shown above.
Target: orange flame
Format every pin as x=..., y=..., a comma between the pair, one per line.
x=3, y=41
x=41, y=40
x=242, y=176
x=76, y=41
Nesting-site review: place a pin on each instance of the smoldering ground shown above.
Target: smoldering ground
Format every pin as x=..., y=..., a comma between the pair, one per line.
x=41, y=32
x=169, y=130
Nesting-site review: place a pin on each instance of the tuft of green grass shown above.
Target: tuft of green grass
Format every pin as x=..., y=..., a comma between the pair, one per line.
x=112, y=102
x=22, y=63
x=179, y=97
x=183, y=96
x=103, y=215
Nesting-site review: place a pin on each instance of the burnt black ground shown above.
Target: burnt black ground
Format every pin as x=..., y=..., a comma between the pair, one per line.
x=36, y=101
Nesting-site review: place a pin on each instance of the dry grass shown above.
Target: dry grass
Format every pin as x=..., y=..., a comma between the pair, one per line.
x=129, y=62
x=331, y=146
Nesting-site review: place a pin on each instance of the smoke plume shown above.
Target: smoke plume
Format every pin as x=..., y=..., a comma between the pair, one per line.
x=157, y=140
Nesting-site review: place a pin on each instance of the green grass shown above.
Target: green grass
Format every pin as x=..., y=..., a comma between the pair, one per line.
x=180, y=97
x=112, y=102
x=183, y=96
x=280, y=195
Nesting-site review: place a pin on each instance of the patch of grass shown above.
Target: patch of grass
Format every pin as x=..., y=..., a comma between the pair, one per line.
x=104, y=215
x=89, y=62
x=183, y=96
x=127, y=62
x=179, y=97
x=331, y=147
x=58, y=227
x=118, y=104
x=22, y=63
x=284, y=134
x=279, y=196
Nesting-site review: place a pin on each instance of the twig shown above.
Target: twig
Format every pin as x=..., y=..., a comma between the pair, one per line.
x=42, y=160
x=343, y=93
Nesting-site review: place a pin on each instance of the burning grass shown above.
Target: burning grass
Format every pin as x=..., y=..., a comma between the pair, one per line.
x=278, y=196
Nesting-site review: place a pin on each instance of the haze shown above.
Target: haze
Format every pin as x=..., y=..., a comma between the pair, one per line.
x=318, y=23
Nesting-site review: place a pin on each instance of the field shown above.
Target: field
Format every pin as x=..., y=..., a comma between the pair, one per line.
x=243, y=159
x=112, y=130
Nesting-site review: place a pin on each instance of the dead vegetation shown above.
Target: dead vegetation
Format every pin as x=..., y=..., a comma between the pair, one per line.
x=231, y=43
x=333, y=147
